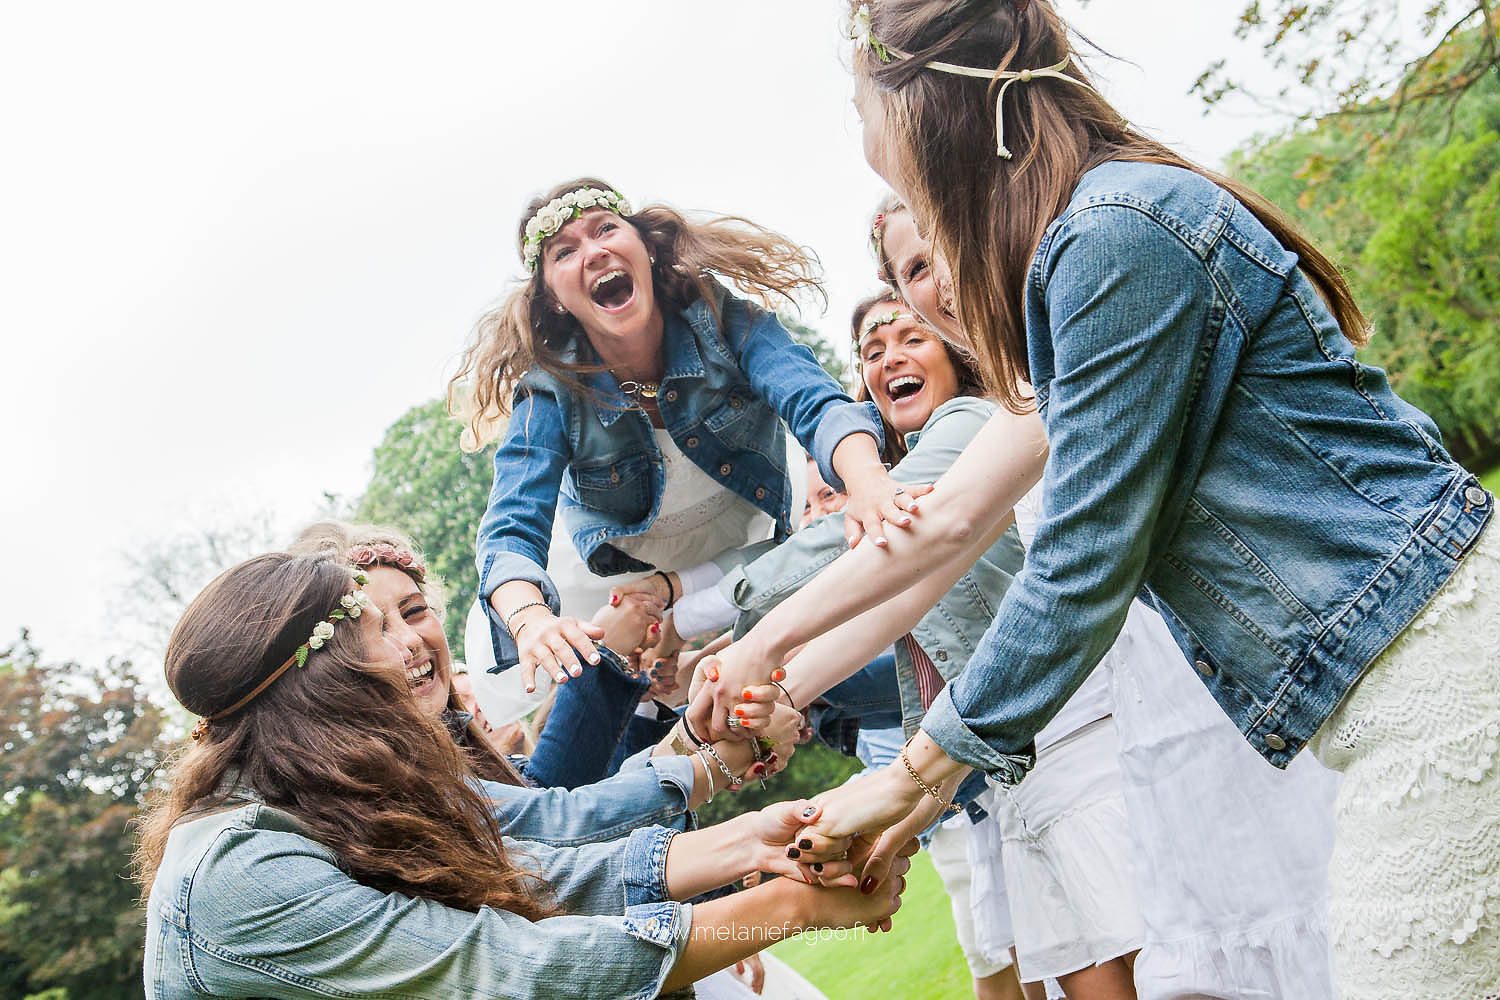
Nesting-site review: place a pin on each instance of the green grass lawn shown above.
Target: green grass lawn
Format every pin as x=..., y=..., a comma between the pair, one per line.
x=918, y=960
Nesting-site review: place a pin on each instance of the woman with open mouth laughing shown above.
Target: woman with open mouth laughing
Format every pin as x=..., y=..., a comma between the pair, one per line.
x=645, y=404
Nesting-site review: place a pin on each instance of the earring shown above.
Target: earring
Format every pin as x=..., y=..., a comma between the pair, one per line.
x=559, y=308
x=652, y=259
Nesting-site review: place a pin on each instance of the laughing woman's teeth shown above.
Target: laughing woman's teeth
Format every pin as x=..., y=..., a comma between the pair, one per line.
x=416, y=675
x=906, y=385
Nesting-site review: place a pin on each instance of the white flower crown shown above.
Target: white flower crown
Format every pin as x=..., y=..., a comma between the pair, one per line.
x=558, y=212
x=351, y=605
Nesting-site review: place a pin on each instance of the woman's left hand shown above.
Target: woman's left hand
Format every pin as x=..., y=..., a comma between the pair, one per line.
x=775, y=828
x=876, y=502
x=866, y=807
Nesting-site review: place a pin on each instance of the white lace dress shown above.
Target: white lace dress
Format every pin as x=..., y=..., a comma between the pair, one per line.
x=1416, y=862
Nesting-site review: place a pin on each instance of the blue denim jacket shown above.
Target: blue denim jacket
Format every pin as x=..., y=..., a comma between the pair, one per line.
x=594, y=461
x=1213, y=438
x=647, y=791
x=246, y=905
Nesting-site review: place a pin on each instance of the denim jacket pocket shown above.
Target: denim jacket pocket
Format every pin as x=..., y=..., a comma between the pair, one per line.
x=731, y=422
x=621, y=487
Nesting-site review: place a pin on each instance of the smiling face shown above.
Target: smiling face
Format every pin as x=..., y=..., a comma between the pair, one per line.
x=415, y=628
x=906, y=368
x=822, y=499
x=923, y=279
x=598, y=269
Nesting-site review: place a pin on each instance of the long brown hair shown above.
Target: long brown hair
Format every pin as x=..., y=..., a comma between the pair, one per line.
x=522, y=332
x=341, y=542
x=970, y=381
x=338, y=743
x=988, y=214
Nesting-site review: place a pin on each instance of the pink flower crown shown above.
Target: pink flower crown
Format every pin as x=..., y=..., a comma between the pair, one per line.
x=386, y=554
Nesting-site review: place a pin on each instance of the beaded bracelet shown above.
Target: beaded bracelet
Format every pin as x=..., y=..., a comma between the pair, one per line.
x=516, y=611
x=947, y=804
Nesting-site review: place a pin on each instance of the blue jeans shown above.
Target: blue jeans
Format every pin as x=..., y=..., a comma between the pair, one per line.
x=577, y=745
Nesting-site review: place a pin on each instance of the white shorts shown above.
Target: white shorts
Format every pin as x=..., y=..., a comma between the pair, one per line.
x=949, y=849
x=1068, y=866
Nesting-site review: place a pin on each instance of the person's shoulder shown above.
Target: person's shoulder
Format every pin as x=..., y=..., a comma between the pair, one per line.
x=251, y=858
x=951, y=426
x=973, y=406
x=1147, y=200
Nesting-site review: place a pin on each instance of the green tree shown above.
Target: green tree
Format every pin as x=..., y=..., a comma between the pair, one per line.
x=1362, y=57
x=828, y=356
x=1413, y=224
x=813, y=768
x=78, y=747
x=425, y=485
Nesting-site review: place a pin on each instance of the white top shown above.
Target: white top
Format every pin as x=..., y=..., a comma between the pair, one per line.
x=1092, y=701
x=699, y=519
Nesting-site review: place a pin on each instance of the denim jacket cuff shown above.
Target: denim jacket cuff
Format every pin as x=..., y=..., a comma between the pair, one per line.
x=503, y=567
x=671, y=770
x=949, y=731
x=666, y=925
x=838, y=423
x=646, y=865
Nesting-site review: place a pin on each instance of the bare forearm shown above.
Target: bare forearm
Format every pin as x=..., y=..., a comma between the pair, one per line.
x=705, y=859
x=727, y=930
x=840, y=652
x=967, y=504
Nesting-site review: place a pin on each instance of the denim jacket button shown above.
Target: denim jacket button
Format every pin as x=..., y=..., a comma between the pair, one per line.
x=1475, y=496
x=942, y=656
x=1204, y=668
x=725, y=469
x=671, y=396
x=614, y=475
x=735, y=402
x=692, y=442
x=1275, y=742
x=760, y=492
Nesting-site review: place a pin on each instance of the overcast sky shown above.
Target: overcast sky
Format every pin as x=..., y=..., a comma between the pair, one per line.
x=238, y=241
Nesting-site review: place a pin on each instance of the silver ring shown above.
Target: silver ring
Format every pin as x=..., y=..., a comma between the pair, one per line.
x=735, y=722
x=900, y=490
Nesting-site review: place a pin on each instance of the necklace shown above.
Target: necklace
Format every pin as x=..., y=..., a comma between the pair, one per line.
x=631, y=387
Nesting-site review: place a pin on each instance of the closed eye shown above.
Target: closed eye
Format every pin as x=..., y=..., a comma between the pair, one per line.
x=915, y=268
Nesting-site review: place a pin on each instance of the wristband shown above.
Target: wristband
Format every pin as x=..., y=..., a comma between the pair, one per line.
x=671, y=590
x=516, y=611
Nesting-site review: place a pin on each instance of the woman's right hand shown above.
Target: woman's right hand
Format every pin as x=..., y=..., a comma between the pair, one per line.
x=629, y=623
x=558, y=645
x=727, y=674
x=837, y=907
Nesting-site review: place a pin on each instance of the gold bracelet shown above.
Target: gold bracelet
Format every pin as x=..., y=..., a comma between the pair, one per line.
x=947, y=804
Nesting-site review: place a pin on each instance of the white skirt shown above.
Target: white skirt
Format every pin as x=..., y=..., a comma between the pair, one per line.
x=1416, y=864
x=1067, y=856
x=1231, y=854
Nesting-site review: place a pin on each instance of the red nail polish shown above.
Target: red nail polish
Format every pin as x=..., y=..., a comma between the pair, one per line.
x=712, y=673
x=614, y=600
x=758, y=769
x=868, y=885
x=778, y=675
x=739, y=711
x=747, y=695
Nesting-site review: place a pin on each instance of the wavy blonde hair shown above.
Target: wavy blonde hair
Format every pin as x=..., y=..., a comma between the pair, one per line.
x=523, y=333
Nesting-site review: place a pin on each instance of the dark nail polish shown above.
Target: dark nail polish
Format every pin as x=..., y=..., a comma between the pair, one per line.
x=793, y=853
x=818, y=867
x=809, y=812
x=868, y=885
x=805, y=844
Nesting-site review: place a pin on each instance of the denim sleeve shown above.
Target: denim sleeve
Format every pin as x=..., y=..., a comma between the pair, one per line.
x=273, y=915
x=587, y=721
x=785, y=374
x=656, y=794
x=602, y=878
x=1128, y=306
x=516, y=529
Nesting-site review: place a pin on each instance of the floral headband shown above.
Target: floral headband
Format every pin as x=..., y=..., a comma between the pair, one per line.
x=548, y=220
x=388, y=554
x=351, y=605
x=861, y=30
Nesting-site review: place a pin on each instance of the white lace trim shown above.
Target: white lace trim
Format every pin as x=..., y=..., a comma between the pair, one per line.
x=1416, y=871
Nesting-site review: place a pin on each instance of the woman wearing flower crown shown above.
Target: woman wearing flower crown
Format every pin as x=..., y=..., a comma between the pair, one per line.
x=650, y=399
x=322, y=836
x=1320, y=558
x=656, y=788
